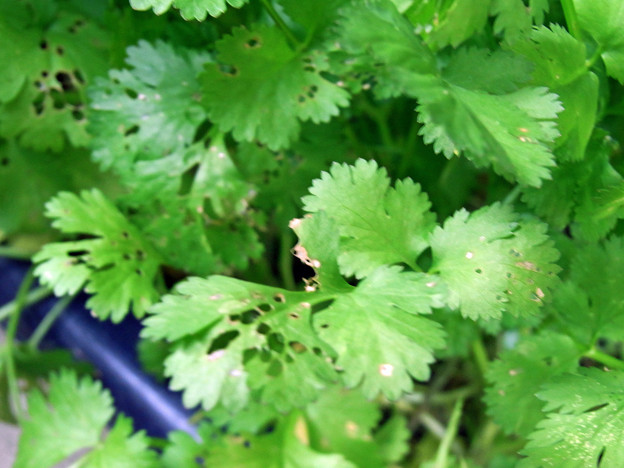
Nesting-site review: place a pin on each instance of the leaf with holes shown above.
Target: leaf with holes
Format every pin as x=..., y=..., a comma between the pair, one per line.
x=116, y=265
x=73, y=418
x=584, y=422
x=494, y=263
x=378, y=224
x=258, y=65
x=189, y=9
x=147, y=112
x=42, y=102
x=249, y=338
x=517, y=376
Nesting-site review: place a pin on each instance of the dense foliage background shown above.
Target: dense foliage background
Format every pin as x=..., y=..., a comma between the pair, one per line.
x=358, y=233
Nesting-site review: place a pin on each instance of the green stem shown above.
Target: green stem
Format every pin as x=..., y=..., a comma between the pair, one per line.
x=290, y=37
x=12, y=252
x=19, y=304
x=480, y=354
x=286, y=260
x=380, y=118
x=604, y=358
x=513, y=195
x=32, y=297
x=571, y=19
x=48, y=321
x=451, y=431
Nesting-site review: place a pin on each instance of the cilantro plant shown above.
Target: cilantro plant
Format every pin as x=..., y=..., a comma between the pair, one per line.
x=357, y=233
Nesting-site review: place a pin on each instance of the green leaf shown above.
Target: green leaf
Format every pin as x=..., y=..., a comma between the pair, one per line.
x=42, y=89
x=584, y=422
x=462, y=20
x=604, y=21
x=258, y=65
x=67, y=266
x=148, y=111
x=520, y=372
x=379, y=225
x=514, y=17
x=286, y=447
x=494, y=263
x=559, y=61
x=344, y=422
x=252, y=337
x=388, y=48
x=378, y=334
x=73, y=418
x=511, y=132
x=189, y=9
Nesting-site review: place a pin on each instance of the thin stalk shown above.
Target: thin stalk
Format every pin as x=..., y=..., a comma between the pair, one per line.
x=571, y=18
x=604, y=358
x=380, y=118
x=480, y=354
x=513, y=195
x=20, y=303
x=451, y=431
x=290, y=37
x=32, y=297
x=48, y=321
x=286, y=260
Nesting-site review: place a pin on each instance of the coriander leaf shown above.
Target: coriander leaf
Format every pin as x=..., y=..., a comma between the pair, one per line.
x=147, y=111
x=459, y=22
x=316, y=17
x=511, y=132
x=45, y=69
x=72, y=418
x=559, y=61
x=386, y=44
x=494, y=72
x=122, y=449
x=584, y=423
x=494, y=263
x=513, y=17
x=30, y=178
x=258, y=65
x=580, y=192
x=271, y=327
x=286, y=447
x=189, y=9
x=344, y=422
x=520, y=372
x=183, y=450
x=378, y=224
x=67, y=266
x=603, y=20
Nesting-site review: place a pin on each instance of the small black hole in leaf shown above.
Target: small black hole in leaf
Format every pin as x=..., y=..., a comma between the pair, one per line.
x=44, y=73
x=478, y=271
x=43, y=45
x=253, y=43
x=593, y=409
x=58, y=101
x=249, y=316
x=126, y=256
x=125, y=235
x=65, y=80
x=263, y=329
x=279, y=297
x=276, y=342
x=325, y=325
x=131, y=93
x=132, y=130
x=79, y=78
x=60, y=50
x=222, y=341
x=301, y=98
x=139, y=272
x=309, y=68
x=78, y=114
x=140, y=255
x=4, y=162
x=264, y=308
x=229, y=70
x=294, y=315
